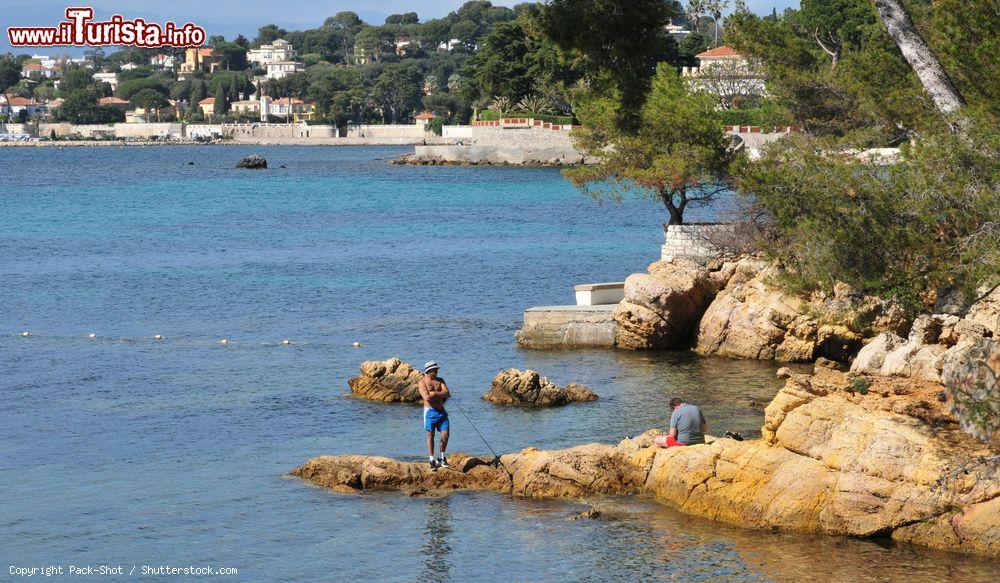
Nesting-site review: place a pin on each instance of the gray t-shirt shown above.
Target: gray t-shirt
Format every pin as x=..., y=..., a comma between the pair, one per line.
x=687, y=420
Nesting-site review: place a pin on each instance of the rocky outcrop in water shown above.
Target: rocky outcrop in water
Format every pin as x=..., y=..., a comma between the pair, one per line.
x=661, y=308
x=751, y=317
x=736, y=309
x=253, y=162
x=843, y=454
x=391, y=381
x=528, y=388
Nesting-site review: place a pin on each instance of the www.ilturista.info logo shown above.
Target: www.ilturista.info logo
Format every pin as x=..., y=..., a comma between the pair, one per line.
x=79, y=29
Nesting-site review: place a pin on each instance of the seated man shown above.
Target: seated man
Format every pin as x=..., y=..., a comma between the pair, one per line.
x=687, y=425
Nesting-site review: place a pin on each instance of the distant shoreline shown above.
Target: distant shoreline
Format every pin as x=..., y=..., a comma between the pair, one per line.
x=258, y=142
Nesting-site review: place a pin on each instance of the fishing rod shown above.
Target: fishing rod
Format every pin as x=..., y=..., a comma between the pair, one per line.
x=496, y=456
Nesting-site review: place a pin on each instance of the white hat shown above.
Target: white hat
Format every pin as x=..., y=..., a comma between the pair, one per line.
x=430, y=365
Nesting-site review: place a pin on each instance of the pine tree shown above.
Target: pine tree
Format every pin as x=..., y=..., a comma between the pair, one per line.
x=234, y=89
x=197, y=93
x=221, y=101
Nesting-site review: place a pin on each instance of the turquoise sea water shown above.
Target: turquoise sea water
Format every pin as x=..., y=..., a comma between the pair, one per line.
x=122, y=450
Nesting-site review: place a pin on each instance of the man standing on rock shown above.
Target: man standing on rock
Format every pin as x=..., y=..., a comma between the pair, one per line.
x=687, y=425
x=435, y=392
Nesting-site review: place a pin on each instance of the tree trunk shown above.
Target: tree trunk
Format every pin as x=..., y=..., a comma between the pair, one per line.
x=916, y=52
x=676, y=211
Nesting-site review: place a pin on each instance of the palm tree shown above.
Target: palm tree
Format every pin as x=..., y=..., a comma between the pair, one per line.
x=715, y=8
x=694, y=10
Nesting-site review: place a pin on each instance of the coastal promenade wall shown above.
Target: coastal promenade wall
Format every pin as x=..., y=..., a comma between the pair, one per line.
x=411, y=132
x=518, y=144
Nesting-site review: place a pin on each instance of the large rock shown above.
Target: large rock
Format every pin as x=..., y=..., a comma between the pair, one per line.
x=888, y=460
x=986, y=311
x=391, y=381
x=661, y=308
x=971, y=371
x=253, y=162
x=871, y=357
x=752, y=317
x=514, y=387
x=749, y=319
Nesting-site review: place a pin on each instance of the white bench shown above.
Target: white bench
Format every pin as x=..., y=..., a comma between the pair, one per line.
x=598, y=294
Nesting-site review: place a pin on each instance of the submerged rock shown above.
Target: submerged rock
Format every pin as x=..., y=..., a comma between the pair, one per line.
x=889, y=462
x=391, y=381
x=253, y=162
x=514, y=387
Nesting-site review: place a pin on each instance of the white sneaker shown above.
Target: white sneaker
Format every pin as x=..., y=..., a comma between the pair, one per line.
x=443, y=462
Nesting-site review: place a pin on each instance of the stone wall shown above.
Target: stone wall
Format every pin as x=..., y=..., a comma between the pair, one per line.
x=693, y=241
x=497, y=155
x=66, y=129
x=410, y=131
x=149, y=130
x=278, y=130
x=568, y=327
x=18, y=128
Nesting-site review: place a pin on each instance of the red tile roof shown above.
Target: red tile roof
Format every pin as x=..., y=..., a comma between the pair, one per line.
x=21, y=101
x=725, y=51
x=207, y=100
x=112, y=101
x=426, y=115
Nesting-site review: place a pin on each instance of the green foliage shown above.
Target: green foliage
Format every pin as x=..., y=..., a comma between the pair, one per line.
x=677, y=152
x=859, y=385
x=136, y=73
x=516, y=60
x=870, y=97
x=10, y=72
x=148, y=99
x=691, y=45
x=77, y=79
x=129, y=88
x=904, y=231
x=964, y=37
x=233, y=55
x=197, y=93
x=221, y=101
x=80, y=107
x=399, y=89
x=621, y=42
x=768, y=114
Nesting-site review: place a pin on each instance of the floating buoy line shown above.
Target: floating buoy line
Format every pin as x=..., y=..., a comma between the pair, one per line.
x=160, y=337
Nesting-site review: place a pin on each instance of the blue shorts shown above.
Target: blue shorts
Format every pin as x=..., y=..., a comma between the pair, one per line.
x=434, y=419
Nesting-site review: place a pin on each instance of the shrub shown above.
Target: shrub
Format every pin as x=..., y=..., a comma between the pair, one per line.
x=903, y=231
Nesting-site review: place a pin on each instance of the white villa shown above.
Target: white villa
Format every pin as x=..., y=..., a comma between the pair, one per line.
x=162, y=60
x=109, y=78
x=725, y=73
x=676, y=30
x=278, y=51
x=282, y=69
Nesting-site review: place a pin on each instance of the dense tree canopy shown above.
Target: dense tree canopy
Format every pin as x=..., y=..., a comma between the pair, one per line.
x=676, y=153
x=622, y=41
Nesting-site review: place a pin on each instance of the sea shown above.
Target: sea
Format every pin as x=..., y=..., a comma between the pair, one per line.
x=132, y=440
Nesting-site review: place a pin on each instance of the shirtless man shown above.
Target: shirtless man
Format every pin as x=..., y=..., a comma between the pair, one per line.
x=435, y=392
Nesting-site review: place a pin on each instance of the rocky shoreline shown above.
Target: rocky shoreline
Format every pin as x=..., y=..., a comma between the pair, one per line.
x=842, y=453
x=414, y=160
x=395, y=381
x=893, y=434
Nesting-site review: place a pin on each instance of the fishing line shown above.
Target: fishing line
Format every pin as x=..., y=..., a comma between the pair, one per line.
x=496, y=456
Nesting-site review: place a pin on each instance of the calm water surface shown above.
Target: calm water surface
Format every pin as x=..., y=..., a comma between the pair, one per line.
x=125, y=450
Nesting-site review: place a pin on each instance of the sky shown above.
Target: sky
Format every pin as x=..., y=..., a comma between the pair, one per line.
x=232, y=17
